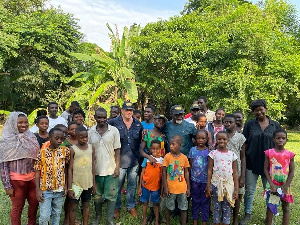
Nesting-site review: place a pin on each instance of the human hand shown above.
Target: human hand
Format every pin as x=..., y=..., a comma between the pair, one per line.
x=208, y=191
x=242, y=181
x=153, y=161
x=140, y=191
x=188, y=192
x=39, y=195
x=166, y=192
x=93, y=190
x=65, y=191
x=273, y=188
x=71, y=194
x=10, y=192
x=284, y=190
x=236, y=194
x=116, y=172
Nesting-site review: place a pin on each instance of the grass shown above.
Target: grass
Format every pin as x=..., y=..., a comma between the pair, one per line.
x=259, y=207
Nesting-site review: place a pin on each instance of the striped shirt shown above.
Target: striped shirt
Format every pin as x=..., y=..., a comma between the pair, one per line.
x=20, y=166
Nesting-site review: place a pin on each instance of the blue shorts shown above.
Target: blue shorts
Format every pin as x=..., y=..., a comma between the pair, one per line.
x=147, y=194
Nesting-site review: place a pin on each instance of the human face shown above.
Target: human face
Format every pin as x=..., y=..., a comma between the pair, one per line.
x=56, y=139
x=155, y=149
x=201, y=139
x=239, y=119
x=222, y=140
x=43, y=124
x=202, y=104
x=114, y=112
x=72, y=108
x=202, y=122
x=137, y=116
x=22, y=124
x=280, y=140
x=148, y=114
x=82, y=137
x=220, y=114
x=174, y=146
x=101, y=118
x=195, y=113
x=65, y=131
x=52, y=109
x=260, y=112
x=177, y=118
x=78, y=118
x=72, y=129
x=127, y=114
x=159, y=123
x=229, y=123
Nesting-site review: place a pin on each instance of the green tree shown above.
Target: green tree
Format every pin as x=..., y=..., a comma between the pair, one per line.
x=232, y=52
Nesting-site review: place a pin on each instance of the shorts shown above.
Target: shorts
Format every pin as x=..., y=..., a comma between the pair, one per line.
x=147, y=195
x=107, y=186
x=84, y=197
x=181, y=200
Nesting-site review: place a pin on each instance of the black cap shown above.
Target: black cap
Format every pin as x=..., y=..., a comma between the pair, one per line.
x=195, y=106
x=127, y=105
x=177, y=109
x=160, y=116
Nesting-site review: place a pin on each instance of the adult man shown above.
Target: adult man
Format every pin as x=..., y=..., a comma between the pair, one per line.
x=114, y=112
x=130, y=134
x=210, y=115
x=68, y=112
x=106, y=140
x=181, y=127
x=195, y=111
x=53, y=118
x=149, y=113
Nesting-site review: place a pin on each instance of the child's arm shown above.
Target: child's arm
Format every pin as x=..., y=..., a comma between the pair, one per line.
x=117, y=160
x=235, y=180
x=93, y=170
x=141, y=180
x=187, y=179
x=208, y=190
x=144, y=154
x=71, y=193
x=210, y=143
x=164, y=181
x=266, y=170
x=290, y=176
x=39, y=192
x=243, y=167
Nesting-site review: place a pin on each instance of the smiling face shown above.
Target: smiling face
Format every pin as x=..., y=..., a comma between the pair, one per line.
x=52, y=109
x=177, y=118
x=220, y=114
x=127, y=113
x=260, y=112
x=155, y=150
x=101, y=117
x=239, y=119
x=22, y=124
x=72, y=129
x=78, y=118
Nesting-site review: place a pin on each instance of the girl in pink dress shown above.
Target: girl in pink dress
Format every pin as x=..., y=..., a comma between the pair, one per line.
x=279, y=170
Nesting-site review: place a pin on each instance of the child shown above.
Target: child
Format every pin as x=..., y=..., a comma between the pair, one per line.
x=202, y=124
x=150, y=181
x=239, y=121
x=222, y=180
x=137, y=114
x=64, y=129
x=50, y=177
x=217, y=125
x=279, y=170
x=42, y=122
x=236, y=143
x=176, y=180
x=71, y=140
x=198, y=158
x=81, y=175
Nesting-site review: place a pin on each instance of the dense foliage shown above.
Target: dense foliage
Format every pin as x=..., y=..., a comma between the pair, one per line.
x=230, y=51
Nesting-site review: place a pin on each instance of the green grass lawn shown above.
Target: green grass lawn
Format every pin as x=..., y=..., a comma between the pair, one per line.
x=259, y=207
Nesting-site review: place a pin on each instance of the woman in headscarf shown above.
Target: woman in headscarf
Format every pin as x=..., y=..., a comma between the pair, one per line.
x=18, y=152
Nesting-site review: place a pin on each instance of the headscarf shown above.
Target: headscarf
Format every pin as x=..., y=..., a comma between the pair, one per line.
x=15, y=145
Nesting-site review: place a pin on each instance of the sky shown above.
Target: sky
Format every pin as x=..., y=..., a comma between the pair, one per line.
x=94, y=14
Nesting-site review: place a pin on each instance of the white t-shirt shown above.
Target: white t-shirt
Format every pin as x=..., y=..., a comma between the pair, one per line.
x=65, y=115
x=222, y=164
x=52, y=123
x=105, y=146
x=191, y=121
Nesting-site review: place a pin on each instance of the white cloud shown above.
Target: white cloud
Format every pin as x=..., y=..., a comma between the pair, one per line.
x=94, y=15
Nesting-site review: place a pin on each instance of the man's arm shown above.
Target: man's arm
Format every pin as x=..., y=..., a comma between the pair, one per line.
x=117, y=160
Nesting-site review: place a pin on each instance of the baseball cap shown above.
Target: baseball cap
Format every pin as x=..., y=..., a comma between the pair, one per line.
x=177, y=109
x=195, y=106
x=160, y=116
x=127, y=105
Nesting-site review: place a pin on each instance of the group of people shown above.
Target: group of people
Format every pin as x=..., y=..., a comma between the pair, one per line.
x=200, y=157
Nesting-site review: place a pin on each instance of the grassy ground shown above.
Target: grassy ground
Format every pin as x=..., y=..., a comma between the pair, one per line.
x=259, y=207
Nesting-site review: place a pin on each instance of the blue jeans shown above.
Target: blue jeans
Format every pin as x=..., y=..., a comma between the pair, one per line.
x=131, y=186
x=51, y=207
x=250, y=186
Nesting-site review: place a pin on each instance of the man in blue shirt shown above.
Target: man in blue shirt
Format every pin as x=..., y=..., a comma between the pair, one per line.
x=180, y=127
x=131, y=135
x=149, y=113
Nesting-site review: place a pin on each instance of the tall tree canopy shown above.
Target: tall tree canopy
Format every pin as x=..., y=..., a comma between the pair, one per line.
x=35, y=46
x=230, y=51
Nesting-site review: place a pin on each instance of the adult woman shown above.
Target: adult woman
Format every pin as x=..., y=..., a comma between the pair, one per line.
x=18, y=151
x=78, y=116
x=259, y=137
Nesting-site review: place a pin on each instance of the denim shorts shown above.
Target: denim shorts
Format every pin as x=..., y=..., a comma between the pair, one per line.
x=153, y=196
x=181, y=200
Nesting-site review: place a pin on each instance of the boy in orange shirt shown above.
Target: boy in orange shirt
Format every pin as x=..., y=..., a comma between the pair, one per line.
x=176, y=181
x=150, y=181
